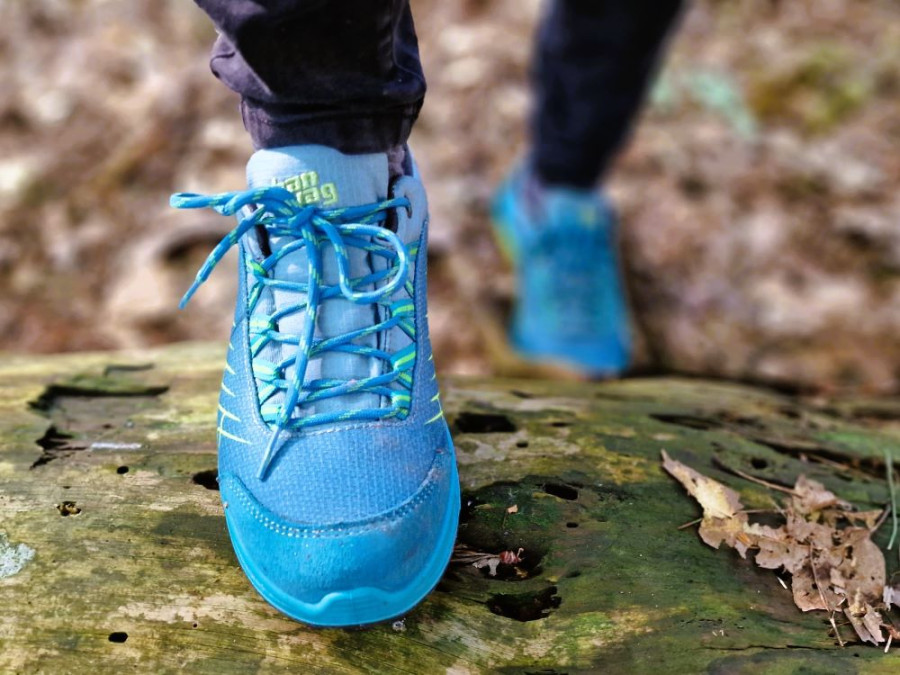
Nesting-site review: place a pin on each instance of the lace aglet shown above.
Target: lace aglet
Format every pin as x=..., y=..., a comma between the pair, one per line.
x=186, y=298
x=271, y=449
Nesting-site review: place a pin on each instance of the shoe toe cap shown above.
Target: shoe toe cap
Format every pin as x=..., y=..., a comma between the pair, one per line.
x=347, y=573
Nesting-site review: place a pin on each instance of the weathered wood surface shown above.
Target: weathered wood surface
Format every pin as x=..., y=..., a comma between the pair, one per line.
x=114, y=554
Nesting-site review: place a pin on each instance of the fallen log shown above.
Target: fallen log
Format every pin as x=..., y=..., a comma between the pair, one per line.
x=114, y=554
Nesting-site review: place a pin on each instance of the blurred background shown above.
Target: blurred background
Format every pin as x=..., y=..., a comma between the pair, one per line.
x=761, y=215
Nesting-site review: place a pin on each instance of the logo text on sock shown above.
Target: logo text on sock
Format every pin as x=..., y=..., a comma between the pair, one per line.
x=308, y=190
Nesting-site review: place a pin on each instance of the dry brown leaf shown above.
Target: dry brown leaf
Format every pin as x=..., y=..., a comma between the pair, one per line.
x=776, y=553
x=891, y=596
x=731, y=531
x=833, y=562
x=869, y=518
x=811, y=496
x=865, y=571
x=723, y=518
x=717, y=500
x=838, y=582
x=867, y=623
x=873, y=622
x=807, y=594
x=859, y=627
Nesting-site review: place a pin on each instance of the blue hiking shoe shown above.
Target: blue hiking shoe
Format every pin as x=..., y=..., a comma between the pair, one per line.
x=336, y=466
x=571, y=306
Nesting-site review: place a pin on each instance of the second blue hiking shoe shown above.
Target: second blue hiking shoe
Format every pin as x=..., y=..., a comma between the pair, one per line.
x=336, y=466
x=571, y=306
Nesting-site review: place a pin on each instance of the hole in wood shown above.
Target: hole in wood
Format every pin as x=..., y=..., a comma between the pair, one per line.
x=469, y=504
x=688, y=421
x=54, y=439
x=119, y=368
x=106, y=388
x=68, y=509
x=484, y=423
x=561, y=490
x=208, y=479
x=759, y=463
x=122, y=470
x=521, y=444
x=488, y=544
x=118, y=636
x=873, y=466
x=525, y=606
x=55, y=443
x=790, y=413
x=514, y=566
x=571, y=525
x=72, y=408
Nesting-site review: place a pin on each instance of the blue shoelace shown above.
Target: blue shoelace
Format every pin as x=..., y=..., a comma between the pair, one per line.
x=277, y=211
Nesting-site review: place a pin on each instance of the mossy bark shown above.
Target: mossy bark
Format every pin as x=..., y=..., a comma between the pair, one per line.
x=114, y=555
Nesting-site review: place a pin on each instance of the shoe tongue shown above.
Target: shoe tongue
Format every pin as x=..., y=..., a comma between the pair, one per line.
x=321, y=176
x=326, y=178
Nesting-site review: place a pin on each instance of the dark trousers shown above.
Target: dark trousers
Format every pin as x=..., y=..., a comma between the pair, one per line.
x=346, y=73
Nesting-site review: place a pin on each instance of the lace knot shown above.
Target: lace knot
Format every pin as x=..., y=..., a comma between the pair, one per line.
x=278, y=212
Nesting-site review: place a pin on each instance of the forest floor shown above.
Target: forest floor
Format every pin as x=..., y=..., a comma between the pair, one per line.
x=758, y=199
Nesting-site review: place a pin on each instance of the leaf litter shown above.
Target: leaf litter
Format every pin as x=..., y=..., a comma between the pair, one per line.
x=823, y=542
